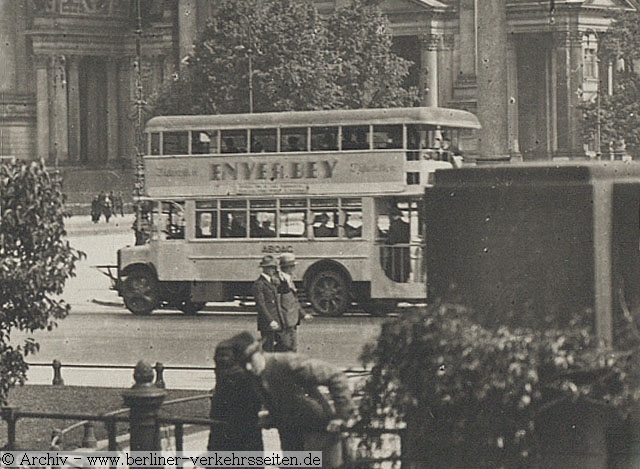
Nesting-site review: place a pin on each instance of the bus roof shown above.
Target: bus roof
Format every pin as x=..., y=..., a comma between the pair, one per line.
x=444, y=117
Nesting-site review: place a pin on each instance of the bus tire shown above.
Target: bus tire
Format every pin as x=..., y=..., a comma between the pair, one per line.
x=328, y=293
x=140, y=292
x=191, y=308
x=379, y=308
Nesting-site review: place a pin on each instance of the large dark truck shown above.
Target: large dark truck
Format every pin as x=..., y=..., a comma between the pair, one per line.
x=533, y=245
x=537, y=239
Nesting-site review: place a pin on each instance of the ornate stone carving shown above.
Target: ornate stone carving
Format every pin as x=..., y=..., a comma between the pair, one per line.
x=431, y=41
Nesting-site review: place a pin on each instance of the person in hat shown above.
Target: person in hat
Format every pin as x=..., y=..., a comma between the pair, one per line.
x=321, y=227
x=265, y=292
x=306, y=419
x=398, y=265
x=292, y=311
x=236, y=400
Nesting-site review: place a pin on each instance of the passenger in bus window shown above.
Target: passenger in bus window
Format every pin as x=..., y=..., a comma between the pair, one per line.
x=351, y=228
x=321, y=228
x=230, y=146
x=293, y=143
x=267, y=230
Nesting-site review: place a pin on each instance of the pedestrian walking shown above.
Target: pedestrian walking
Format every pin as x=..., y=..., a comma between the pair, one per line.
x=292, y=311
x=118, y=204
x=236, y=400
x=95, y=209
x=306, y=418
x=265, y=292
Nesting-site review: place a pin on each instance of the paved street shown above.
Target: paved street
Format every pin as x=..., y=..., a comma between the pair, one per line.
x=100, y=330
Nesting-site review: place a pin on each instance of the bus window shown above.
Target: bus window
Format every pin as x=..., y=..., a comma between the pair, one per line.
x=387, y=136
x=175, y=143
x=325, y=218
x=206, y=219
x=294, y=139
x=352, y=216
x=324, y=138
x=416, y=140
x=264, y=140
x=204, y=141
x=155, y=143
x=262, y=219
x=233, y=219
x=293, y=218
x=355, y=137
x=233, y=141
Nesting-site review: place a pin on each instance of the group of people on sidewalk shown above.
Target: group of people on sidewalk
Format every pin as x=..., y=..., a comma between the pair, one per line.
x=106, y=205
x=266, y=383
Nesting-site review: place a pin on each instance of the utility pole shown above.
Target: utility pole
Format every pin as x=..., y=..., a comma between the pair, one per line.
x=139, y=104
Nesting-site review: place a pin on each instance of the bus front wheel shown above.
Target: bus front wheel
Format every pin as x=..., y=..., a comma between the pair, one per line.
x=140, y=292
x=328, y=293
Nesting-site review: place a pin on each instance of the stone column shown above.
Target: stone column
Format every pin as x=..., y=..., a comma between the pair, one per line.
x=567, y=61
x=112, y=110
x=60, y=112
x=492, y=80
x=445, y=68
x=42, y=105
x=575, y=98
x=467, y=19
x=512, y=93
x=73, y=89
x=125, y=104
x=7, y=46
x=430, y=44
x=187, y=25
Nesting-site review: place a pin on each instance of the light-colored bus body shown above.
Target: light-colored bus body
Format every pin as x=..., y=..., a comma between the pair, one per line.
x=192, y=257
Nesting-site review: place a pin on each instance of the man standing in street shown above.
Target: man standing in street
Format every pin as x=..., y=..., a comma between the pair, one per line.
x=292, y=311
x=265, y=292
x=305, y=418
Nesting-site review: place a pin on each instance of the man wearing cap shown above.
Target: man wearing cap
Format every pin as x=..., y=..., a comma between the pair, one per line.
x=292, y=311
x=265, y=292
x=306, y=420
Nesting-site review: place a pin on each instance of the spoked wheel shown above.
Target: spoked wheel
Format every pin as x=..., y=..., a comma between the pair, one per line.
x=190, y=308
x=328, y=293
x=379, y=308
x=140, y=292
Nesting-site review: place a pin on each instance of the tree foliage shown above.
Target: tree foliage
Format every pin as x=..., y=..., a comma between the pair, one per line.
x=35, y=261
x=475, y=395
x=619, y=111
x=299, y=61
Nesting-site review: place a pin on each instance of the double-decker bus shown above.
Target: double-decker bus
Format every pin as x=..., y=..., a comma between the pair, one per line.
x=222, y=191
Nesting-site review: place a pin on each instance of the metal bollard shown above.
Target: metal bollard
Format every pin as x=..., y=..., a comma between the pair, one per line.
x=159, y=376
x=89, y=438
x=144, y=401
x=57, y=373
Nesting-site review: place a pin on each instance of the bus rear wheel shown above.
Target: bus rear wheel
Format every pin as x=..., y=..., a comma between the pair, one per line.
x=140, y=292
x=328, y=293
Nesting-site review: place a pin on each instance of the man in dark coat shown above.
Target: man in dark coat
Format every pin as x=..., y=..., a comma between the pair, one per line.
x=399, y=267
x=236, y=400
x=265, y=292
x=305, y=418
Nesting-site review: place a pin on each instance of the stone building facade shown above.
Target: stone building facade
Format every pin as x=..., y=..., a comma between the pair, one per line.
x=68, y=79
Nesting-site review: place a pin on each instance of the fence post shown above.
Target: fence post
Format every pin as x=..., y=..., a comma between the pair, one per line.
x=89, y=438
x=57, y=373
x=159, y=376
x=9, y=415
x=144, y=401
